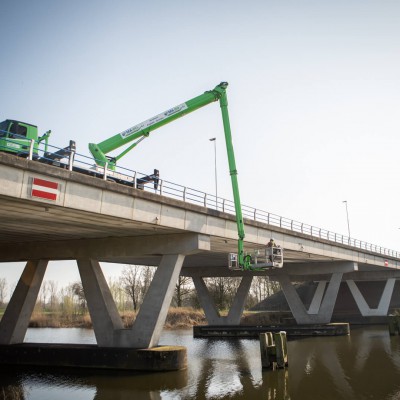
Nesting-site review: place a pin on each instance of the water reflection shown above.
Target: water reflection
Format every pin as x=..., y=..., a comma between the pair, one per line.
x=89, y=385
x=365, y=365
x=232, y=369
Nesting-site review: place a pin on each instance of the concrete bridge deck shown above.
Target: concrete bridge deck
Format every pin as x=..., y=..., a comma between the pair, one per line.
x=91, y=220
x=90, y=216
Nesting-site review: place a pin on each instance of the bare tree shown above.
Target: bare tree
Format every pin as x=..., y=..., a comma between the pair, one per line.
x=147, y=275
x=262, y=287
x=67, y=300
x=53, y=294
x=183, y=289
x=44, y=291
x=118, y=293
x=222, y=289
x=77, y=290
x=131, y=283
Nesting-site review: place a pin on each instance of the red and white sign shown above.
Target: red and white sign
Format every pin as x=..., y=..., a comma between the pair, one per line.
x=44, y=189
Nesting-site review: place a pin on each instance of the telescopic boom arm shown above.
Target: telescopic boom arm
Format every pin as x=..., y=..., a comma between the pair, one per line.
x=140, y=131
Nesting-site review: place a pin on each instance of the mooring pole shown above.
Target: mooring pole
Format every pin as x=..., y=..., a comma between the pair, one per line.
x=273, y=349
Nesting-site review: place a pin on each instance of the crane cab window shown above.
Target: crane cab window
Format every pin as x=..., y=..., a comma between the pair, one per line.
x=12, y=129
x=21, y=130
x=16, y=130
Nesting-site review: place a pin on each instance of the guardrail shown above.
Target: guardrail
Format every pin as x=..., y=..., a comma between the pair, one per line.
x=193, y=196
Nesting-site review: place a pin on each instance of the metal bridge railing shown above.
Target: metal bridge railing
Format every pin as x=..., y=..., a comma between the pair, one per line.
x=193, y=196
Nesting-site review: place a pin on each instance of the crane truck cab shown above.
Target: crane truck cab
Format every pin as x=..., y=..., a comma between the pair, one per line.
x=16, y=137
x=22, y=139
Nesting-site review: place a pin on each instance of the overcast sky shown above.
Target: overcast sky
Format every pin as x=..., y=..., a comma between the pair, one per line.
x=314, y=96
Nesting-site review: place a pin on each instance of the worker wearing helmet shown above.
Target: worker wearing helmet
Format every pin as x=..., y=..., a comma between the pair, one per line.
x=271, y=243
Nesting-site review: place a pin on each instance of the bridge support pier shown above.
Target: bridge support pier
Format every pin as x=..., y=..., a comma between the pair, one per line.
x=107, y=324
x=117, y=348
x=210, y=310
x=321, y=307
x=17, y=315
x=384, y=301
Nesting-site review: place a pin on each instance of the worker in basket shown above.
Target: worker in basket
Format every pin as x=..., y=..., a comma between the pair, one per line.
x=275, y=250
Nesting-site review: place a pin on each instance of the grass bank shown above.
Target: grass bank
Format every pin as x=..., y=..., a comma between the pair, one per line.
x=177, y=318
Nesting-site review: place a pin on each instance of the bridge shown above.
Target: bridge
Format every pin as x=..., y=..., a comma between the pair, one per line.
x=51, y=213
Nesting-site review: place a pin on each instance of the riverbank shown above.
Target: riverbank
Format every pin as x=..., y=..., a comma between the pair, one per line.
x=177, y=318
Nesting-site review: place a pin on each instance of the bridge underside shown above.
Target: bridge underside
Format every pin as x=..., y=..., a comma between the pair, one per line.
x=32, y=230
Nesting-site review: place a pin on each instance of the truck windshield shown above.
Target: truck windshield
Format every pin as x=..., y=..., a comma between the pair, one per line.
x=3, y=128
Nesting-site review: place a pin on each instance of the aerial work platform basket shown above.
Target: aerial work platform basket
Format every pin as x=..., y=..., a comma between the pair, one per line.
x=261, y=259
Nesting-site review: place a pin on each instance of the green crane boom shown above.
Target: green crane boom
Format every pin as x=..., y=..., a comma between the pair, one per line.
x=140, y=131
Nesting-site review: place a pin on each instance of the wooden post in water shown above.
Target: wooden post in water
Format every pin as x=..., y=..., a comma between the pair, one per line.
x=394, y=324
x=273, y=348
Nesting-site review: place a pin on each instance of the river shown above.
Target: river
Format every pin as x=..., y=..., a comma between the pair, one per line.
x=364, y=365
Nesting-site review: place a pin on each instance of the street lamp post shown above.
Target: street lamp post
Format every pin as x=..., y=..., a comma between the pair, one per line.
x=215, y=168
x=347, y=214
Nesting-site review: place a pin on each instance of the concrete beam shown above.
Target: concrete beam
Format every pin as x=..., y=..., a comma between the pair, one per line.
x=317, y=298
x=210, y=310
x=317, y=268
x=212, y=272
x=147, y=328
x=384, y=301
x=320, y=312
x=293, y=269
x=16, y=318
x=372, y=275
x=237, y=307
x=107, y=248
x=206, y=301
x=355, y=276
x=76, y=357
x=102, y=308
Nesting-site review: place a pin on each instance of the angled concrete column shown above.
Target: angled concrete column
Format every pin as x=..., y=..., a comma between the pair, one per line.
x=210, y=310
x=384, y=302
x=320, y=311
x=317, y=298
x=236, y=310
x=206, y=302
x=16, y=318
x=146, y=330
x=101, y=305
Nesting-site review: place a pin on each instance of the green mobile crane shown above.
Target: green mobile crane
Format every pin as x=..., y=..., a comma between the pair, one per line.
x=140, y=131
x=23, y=140
x=16, y=137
